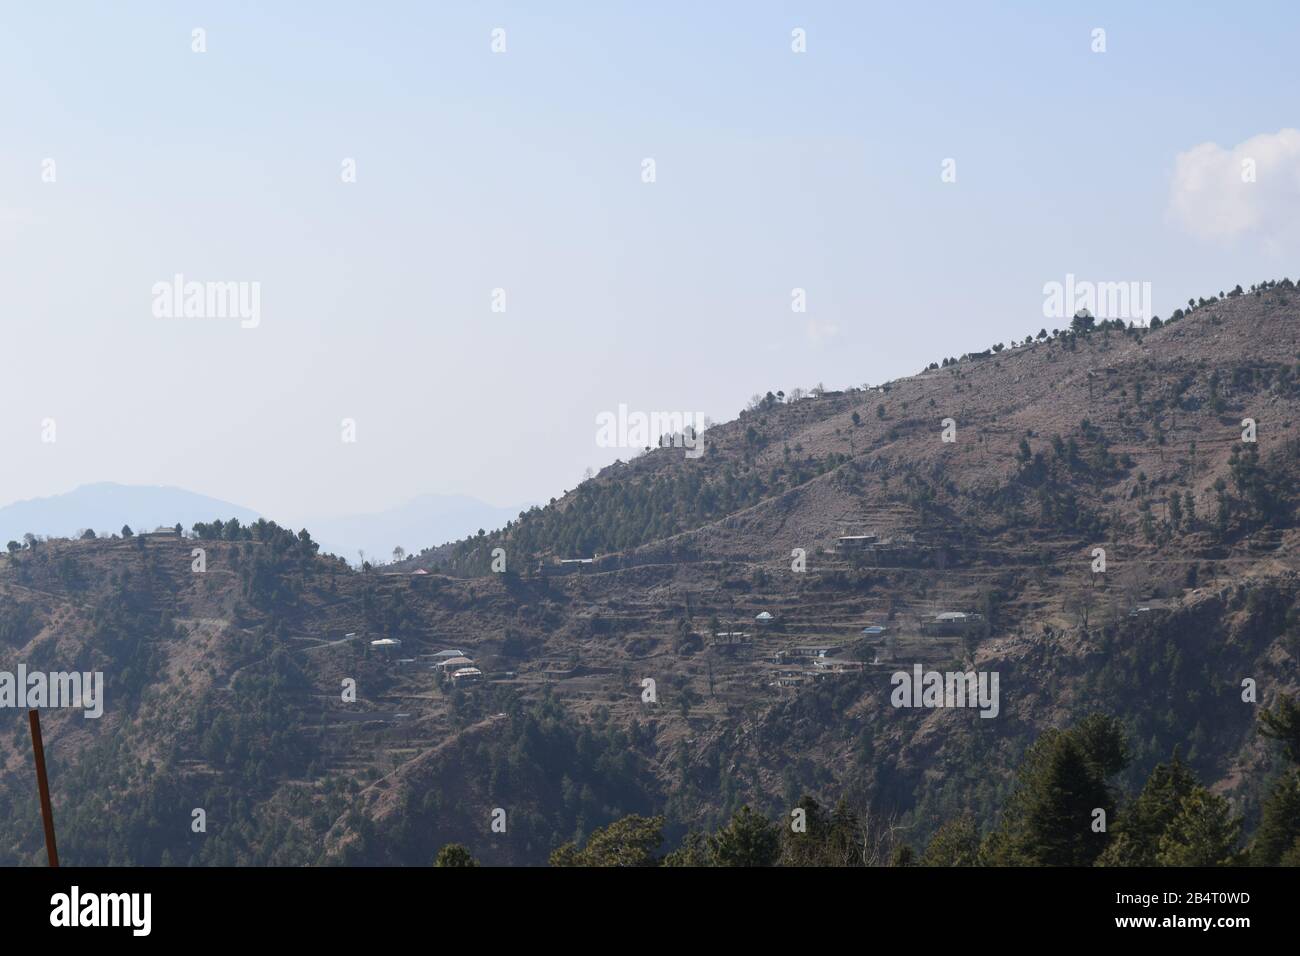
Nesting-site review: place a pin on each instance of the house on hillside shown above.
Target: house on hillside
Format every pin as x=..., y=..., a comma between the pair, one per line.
x=561, y=566
x=423, y=578
x=896, y=551
x=732, y=643
x=789, y=680
x=763, y=617
x=808, y=651
x=466, y=675
x=952, y=623
x=855, y=542
x=727, y=641
x=824, y=667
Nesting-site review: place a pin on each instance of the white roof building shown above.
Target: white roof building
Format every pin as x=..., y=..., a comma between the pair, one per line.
x=452, y=663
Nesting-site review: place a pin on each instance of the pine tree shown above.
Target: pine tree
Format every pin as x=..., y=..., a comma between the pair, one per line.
x=1277, y=840
x=1204, y=833
x=630, y=841
x=1279, y=825
x=1060, y=809
x=748, y=840
x=1282, y=722
x=453, y=854
x=1137, y=832
x=1049, y=820
x=807, y=847
x=694, y=851
x=956, y=843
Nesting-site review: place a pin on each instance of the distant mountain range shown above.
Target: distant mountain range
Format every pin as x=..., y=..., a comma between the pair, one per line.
x=422, y=522
x=105, y=506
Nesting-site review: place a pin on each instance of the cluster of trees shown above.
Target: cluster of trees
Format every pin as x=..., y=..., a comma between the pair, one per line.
x=1255, y=495
x=1261, y=490
x=19, y=622
x=1258, y=289
x=1064, y=811
x=601, y=517
x=119, y=808
x=1277, y=839
x=259, y=530
x=1083, y=323
x=815, y=837
x=1087, y=456
x=568, y=777
x=31, y=541
x=1048, y=475
x=273, y=563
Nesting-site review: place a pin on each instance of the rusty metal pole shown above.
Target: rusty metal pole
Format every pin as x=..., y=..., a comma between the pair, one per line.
x=47, y=814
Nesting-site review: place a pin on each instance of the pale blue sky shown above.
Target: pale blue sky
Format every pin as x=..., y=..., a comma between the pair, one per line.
x=476, y=170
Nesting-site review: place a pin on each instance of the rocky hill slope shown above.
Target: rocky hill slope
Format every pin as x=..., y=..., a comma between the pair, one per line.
x=643, y=682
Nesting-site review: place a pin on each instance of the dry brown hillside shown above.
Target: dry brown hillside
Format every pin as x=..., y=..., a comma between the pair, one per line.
x=224, y=687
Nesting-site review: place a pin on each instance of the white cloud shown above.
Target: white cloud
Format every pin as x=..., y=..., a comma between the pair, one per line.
x=1213, y=198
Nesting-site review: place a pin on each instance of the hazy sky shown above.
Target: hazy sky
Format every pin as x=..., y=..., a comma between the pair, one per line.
x=523, y=171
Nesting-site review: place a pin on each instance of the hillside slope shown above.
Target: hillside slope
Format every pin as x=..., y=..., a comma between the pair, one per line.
x=224, y=687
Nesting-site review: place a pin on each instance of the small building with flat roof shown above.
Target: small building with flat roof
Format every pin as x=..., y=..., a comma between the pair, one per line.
x=950, y=623
x=855, y=542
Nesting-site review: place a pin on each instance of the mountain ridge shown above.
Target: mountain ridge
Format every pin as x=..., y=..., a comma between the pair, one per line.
x=106, y=506
x=1049, y=463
